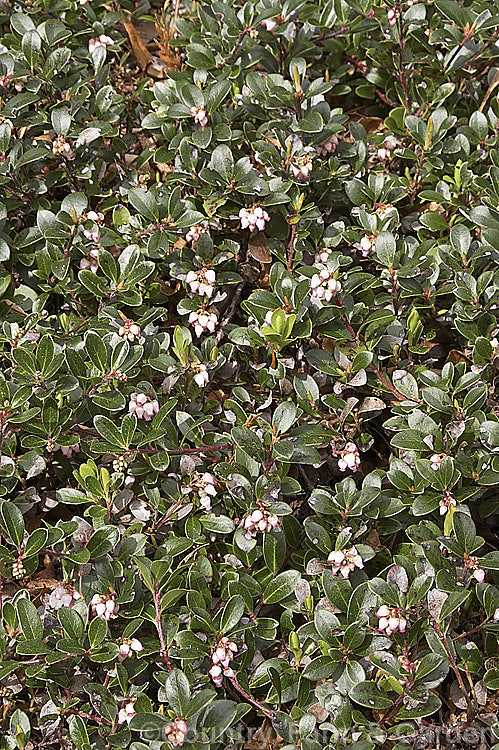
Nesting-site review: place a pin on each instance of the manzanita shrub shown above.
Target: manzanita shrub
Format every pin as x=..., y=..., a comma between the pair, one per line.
x=249, y=429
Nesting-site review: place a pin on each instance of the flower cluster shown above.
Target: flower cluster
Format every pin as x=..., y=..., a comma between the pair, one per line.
x=129, y=330
x=201, y=377
x=253, y=218
x=63, y=596
x=126, y=714
x=392, y=16
x=327, y=147
x=390, y=620
x=259, y=520
x=435, y=460
x=142, y=406
x=365, y=245
x=175, y=732
x=195, y=232
x=18, y=569
x=345, y=561
x=129, y=647
x=206, y=486
x=203, y=321
x=301, y=167
x=201, y=282
x=90, y=260
x=349, y=457
x=324, y=286
x=221, y=657
x=446, y=502
x=104, y=605
x=200, y=115
x=385, y=150
x=322, y=256
x=269, y=24
x=100, y=41
x=472, y=564
x=93, y=233
x=60, y=146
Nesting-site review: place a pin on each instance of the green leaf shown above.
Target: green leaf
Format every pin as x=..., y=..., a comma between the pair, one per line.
x=144, y=202
x=29, y=618
x=70, y=496
x=274, y=550
x=217, y=524
x=97, y=631
x=231, y=614
x=97, y=351
x=453, y=602
x=281, y=587
x=108, y=430
x=12, y=522
x=386, y=248
x=370, y=695
x=284, y=417
x=319, y=668
x=78, y=733
x=178, y=692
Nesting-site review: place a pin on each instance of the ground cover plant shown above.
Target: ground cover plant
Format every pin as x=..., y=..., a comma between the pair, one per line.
x=249, y=429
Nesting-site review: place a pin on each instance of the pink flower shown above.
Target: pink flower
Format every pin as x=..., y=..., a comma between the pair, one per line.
x=129, y=330
x=301, y=167
x=259, y=520
x=390, y=620
x=221, y=657
x=324, y=286
x=104, y=605
x=100, y=41
x=63, y=596
x=349, y=458
x=201, y=282
x=203, y=321
x=345, y=561
x=90, y=260
x=129, y=647
x=253, y=218
x=328, y=146
x=479, y=575
x=269, y=24
x=201, y=377
x=195, y=232
x=446, y=502
x=392, y=16
x=176, y=731
x=60, y=146
x=206, y=487
x=126, y=714
x=70, y=449
x=142, y=406
x=200, y=115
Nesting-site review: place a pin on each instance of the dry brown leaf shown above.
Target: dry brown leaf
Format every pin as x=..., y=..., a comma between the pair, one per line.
x=164, y=168
x=455, y=356
x=372, y=124
x=328, y=345
x=373, y=540
x=265, y=738
x=259, y=249
x=168, y=55
x=140, y=51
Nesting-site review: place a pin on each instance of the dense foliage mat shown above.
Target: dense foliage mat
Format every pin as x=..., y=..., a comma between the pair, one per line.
x=249, y=430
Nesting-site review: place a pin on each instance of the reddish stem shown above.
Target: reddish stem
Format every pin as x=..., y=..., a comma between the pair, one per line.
x=159, y=629
x=267, y=711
